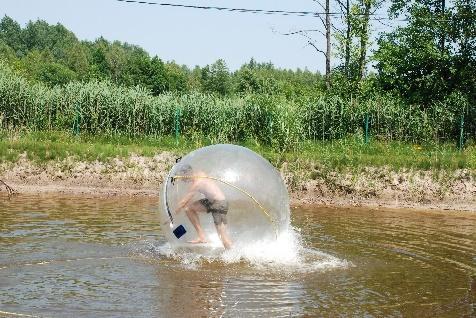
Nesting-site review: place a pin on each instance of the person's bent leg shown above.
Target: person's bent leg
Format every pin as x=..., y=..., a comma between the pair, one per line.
x=225, y=239
x=192, y=214
x=220, y=225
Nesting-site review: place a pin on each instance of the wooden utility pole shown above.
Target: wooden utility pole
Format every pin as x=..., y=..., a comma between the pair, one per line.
x=328, y=45
x=364, y=37
x=442, y=39
x=347, y=40
x=326, y=22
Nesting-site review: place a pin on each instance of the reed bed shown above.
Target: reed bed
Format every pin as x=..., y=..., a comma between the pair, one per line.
x=104, y=108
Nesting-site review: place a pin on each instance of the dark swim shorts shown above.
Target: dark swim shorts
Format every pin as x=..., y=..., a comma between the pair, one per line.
x=218, y=209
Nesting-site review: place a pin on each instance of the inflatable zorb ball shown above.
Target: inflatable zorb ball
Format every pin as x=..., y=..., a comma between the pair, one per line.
x=253, y=191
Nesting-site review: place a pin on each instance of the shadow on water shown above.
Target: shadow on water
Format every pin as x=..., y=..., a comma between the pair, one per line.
x=64, y=256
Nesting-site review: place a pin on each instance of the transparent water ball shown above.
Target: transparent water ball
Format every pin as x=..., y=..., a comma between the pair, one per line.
x=223, y=178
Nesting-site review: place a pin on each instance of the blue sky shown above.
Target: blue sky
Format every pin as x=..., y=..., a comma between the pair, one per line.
x=188, y=36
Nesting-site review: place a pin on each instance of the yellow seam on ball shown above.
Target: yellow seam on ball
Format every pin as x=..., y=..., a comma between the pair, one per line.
x=239, y=189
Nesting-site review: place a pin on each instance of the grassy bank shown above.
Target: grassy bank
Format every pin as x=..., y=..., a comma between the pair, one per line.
x=335, y=172
x=352, y=152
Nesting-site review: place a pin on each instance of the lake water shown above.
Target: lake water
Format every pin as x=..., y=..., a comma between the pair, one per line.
x=78, y=256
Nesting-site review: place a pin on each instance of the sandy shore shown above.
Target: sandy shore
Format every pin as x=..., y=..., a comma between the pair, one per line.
x=142, y=176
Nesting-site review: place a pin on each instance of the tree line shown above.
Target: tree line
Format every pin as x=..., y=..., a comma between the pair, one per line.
x=53, y=55
x=429, y=56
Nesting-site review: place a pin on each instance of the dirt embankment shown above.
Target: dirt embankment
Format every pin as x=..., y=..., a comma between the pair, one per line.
x=136, y=175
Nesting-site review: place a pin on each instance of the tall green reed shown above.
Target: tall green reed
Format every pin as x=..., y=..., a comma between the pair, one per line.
x=104, y=108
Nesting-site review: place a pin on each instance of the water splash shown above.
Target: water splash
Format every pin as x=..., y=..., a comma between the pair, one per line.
x=286, y=253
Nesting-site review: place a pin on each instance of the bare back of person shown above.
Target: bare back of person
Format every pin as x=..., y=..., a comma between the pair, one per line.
x=208, y=188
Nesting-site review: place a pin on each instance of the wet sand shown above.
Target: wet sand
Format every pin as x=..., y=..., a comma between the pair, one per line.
x=142, y=176
x=298, y=199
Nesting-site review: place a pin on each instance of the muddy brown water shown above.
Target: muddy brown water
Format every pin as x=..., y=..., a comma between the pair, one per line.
x=78, y=256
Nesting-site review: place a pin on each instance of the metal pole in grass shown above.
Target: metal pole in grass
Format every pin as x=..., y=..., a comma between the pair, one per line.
x=76, y=120
x=323, y=113
x=367, y=128
x=461, y=135
x=177, y=125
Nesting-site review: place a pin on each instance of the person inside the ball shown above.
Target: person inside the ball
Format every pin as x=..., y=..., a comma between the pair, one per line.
x=204, y=195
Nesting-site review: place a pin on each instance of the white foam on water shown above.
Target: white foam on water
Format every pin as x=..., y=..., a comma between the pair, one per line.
x=286, y=253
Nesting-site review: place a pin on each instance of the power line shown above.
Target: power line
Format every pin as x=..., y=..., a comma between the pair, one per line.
x=259, y=11
x=239, y=10
x=254, y=11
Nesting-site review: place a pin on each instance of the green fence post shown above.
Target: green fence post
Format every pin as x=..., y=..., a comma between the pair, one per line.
x=461, y=135
x=76, y=122
x=367, y=128
x=177, y=125
x=322, y=126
